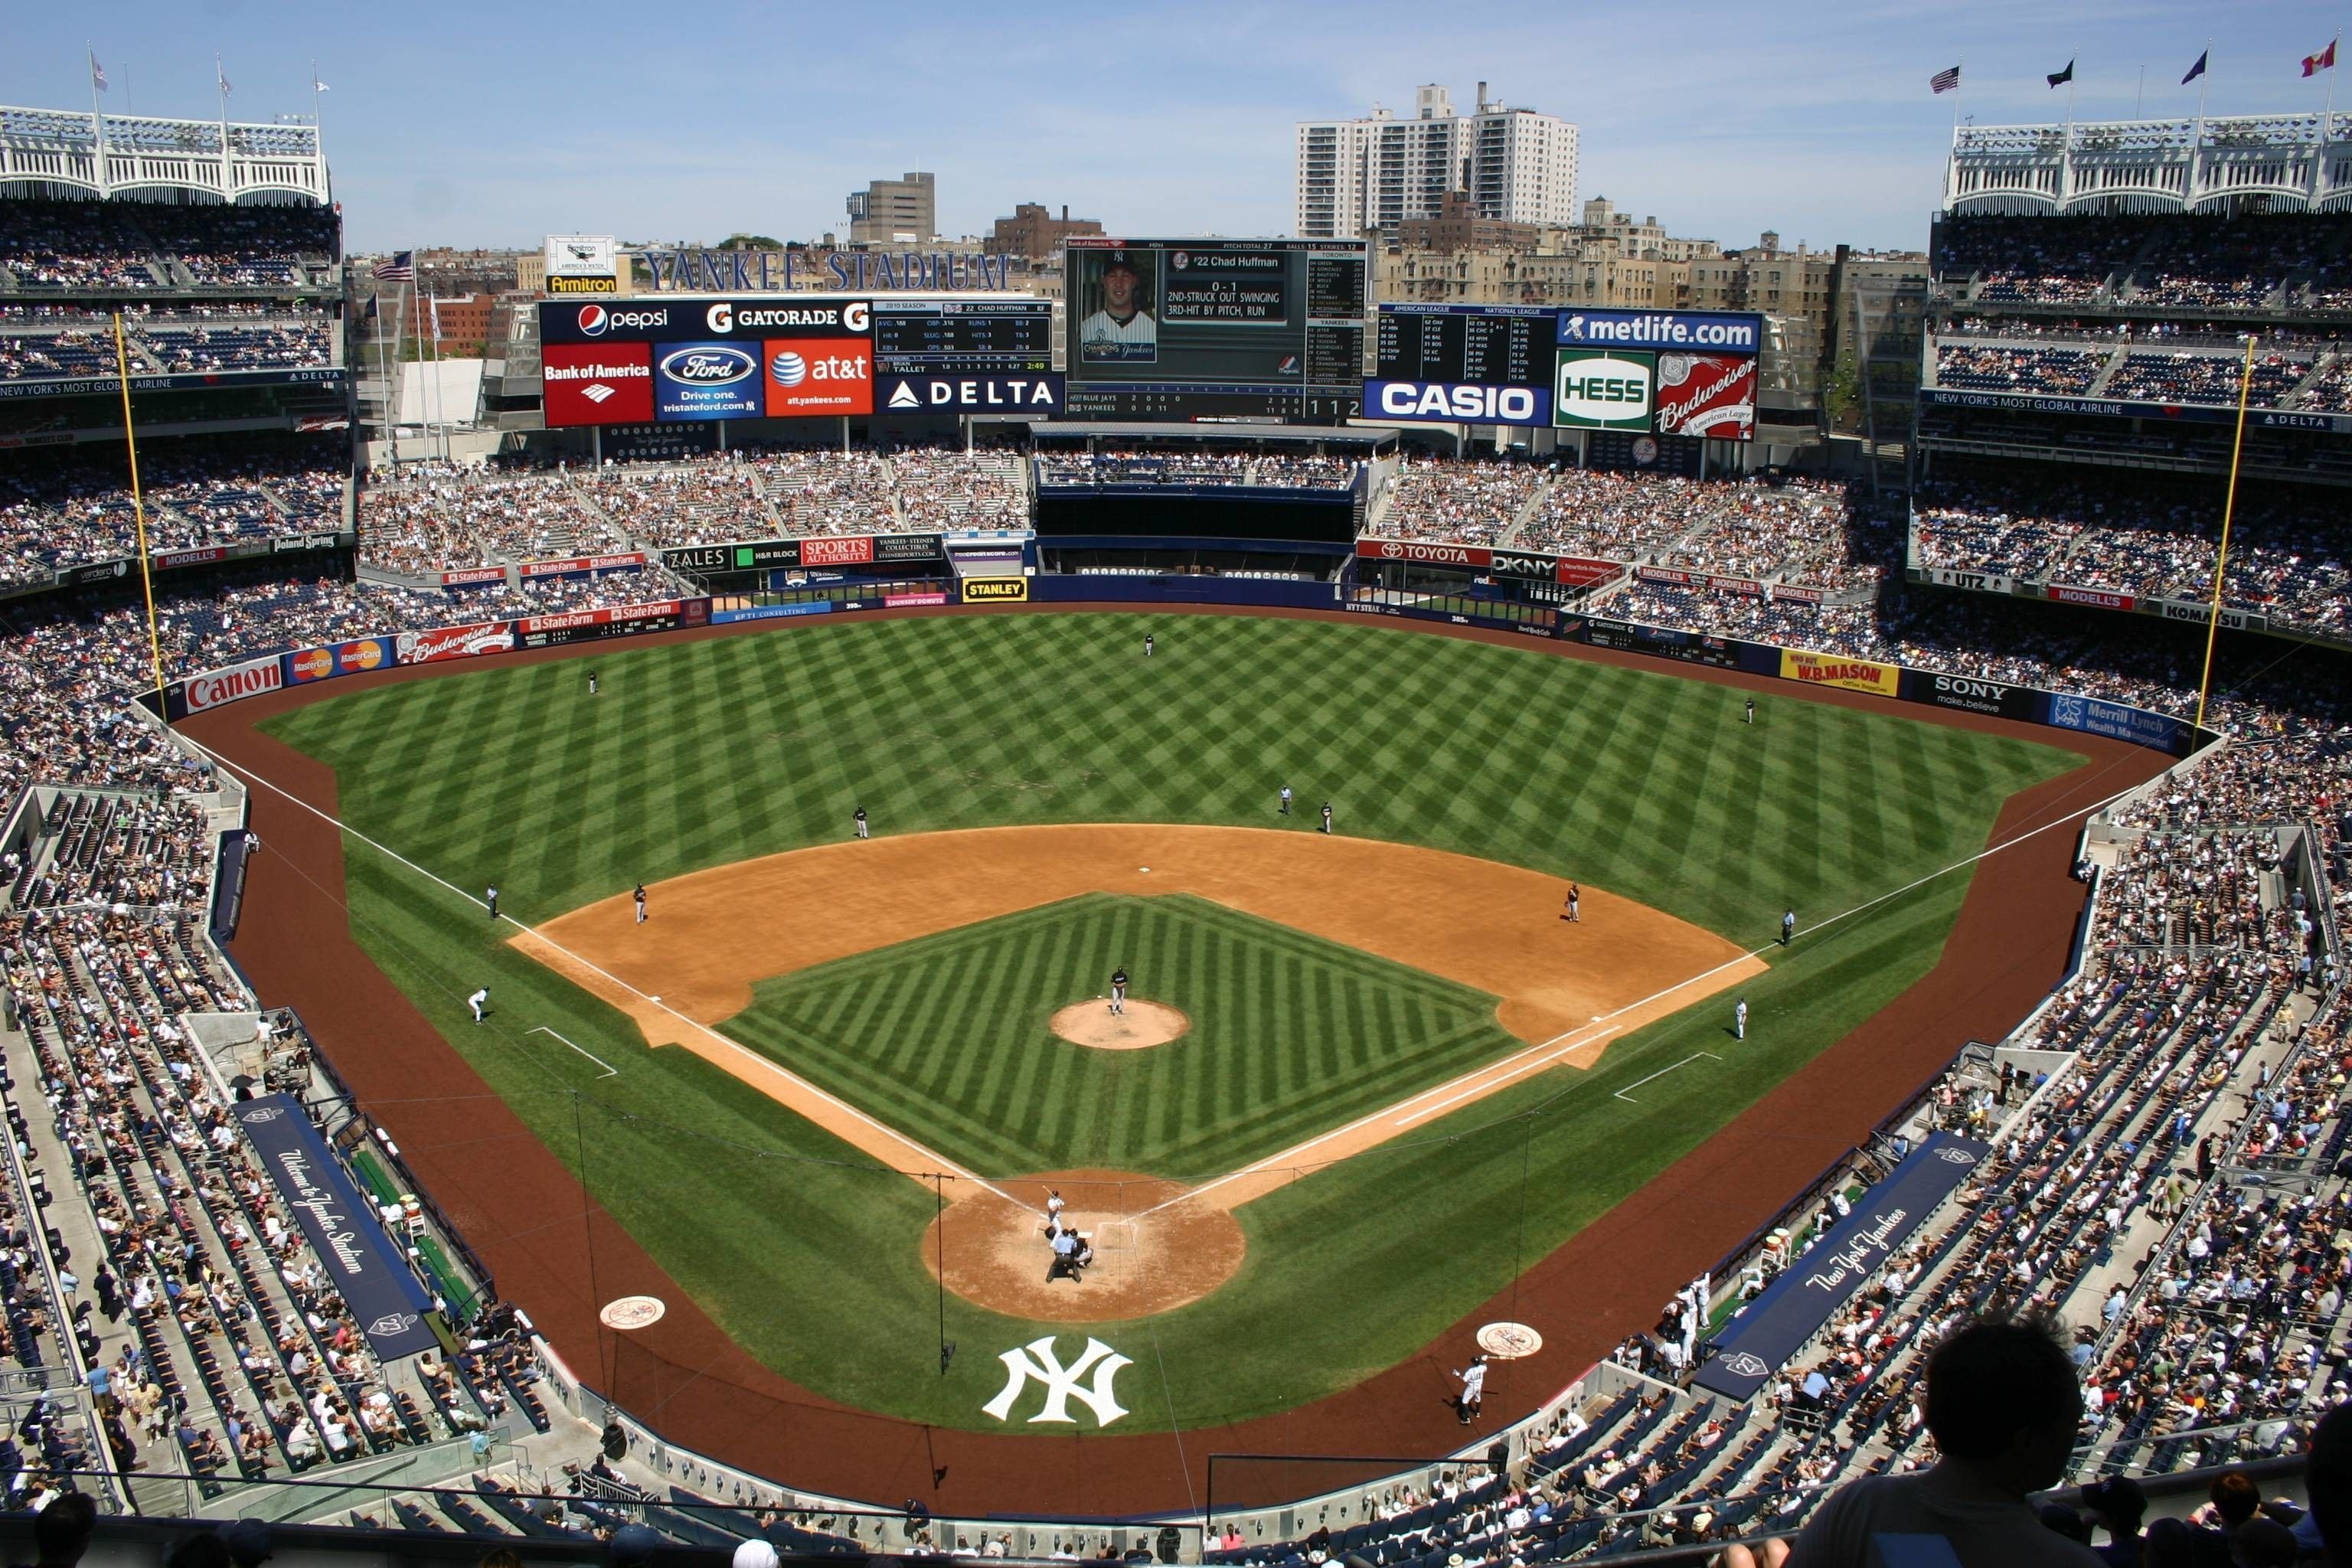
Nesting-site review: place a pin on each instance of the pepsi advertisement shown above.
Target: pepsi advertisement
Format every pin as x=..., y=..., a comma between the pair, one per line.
x=707, y=381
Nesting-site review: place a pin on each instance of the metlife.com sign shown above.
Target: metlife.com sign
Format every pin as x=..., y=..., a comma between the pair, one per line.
x=1717, y=332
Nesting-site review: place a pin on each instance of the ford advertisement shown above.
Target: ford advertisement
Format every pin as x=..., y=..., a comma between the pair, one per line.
x=707, y=381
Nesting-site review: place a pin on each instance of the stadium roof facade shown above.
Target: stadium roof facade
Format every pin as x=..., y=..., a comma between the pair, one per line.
x=57, y=152
x=2281, y=163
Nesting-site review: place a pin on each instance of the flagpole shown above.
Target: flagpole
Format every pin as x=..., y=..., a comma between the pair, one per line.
x=220, y=81
x=2202, y=77
x=318, y=113
x=2140, y=95
x=2229, y=511
x=139, y=514
x=97, y=115
x=1959, y=88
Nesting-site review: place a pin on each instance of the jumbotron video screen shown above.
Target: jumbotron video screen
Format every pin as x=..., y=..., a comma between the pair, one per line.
x=1195, y=329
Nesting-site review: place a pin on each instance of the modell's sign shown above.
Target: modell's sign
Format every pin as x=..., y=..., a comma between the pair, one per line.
x=2101, y=598
x=1711, y=396
x=234, y=684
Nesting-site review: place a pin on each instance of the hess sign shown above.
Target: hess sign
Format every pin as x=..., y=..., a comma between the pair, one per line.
x=1603, y=391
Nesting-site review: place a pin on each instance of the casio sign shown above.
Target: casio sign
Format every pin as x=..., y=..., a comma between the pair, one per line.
x=709, y=366
x=1443, y=400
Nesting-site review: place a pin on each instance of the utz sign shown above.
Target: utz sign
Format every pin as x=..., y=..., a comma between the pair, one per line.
x=1599, y=390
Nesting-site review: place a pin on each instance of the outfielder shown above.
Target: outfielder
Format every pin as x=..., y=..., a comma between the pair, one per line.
x=493, y=900
x=1327, y=816
x=591, y=683
x=640, y=896
x=1788, y=926
x=1147, y=645
x=1751, y=710
x=478, y=1001
x=1285, y=801
x=863, y=831
x=1119, y=990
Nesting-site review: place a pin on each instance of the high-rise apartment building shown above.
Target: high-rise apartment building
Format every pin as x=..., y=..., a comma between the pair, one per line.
x=904, y=211
x=1514, y=165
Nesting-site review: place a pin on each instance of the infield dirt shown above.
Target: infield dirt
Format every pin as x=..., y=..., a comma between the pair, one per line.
x=1567, y=989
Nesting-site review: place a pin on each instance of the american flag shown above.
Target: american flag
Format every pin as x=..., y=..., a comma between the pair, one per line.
x=401, y=269
x=1945, y=81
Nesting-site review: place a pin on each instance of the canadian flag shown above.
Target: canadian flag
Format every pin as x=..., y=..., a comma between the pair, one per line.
x=2324, y=60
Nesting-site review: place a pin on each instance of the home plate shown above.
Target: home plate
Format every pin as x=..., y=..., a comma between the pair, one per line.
x=1143, y=869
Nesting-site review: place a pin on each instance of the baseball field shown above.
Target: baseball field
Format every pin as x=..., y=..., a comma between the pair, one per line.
x=1402, y=1079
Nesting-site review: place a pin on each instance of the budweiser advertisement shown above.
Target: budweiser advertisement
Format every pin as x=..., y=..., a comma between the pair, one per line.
x=454, y=642
x=1711, y=396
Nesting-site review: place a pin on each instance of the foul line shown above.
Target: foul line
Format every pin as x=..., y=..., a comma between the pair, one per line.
x=1467, y=1086
x=610, y=1070
x=1663, y=1072
x=751, y=1059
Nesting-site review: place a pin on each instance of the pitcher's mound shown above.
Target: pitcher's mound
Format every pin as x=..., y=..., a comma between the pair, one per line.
x=1144, y=1263
x=1143, y=1024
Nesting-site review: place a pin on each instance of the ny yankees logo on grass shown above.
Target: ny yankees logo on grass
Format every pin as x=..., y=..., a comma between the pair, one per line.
x=1036, y=1359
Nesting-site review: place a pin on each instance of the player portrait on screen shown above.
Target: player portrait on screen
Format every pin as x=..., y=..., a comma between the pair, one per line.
x=1121, y=327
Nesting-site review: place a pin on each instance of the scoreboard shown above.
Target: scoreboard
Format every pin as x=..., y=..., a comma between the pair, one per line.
x=963, y=337
x=667, y=359
x=1661, y=373
x=1205, y=329
x=1491, y=345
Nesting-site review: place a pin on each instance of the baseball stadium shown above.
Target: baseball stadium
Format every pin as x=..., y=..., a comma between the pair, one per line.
x=936, y=912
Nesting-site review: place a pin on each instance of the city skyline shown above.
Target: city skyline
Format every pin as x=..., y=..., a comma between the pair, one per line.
x=1823, y=129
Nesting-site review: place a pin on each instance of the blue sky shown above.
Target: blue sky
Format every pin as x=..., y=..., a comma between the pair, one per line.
x=493, y=124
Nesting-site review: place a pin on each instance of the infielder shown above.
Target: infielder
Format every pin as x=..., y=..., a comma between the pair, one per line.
x=1285, y=801
x=1788, y=926
x=478, y=1001
x=640, y=896
x=1740, y=1020
x=492, y=899
x=1327, y=816
x=1474, y=1390
x=1119, y=991
x=1575, y=897
x=863, y=831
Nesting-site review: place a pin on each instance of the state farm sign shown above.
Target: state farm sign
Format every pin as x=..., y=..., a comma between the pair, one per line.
x=234, y=684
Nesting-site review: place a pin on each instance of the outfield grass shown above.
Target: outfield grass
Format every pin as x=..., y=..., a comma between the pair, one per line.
x=946, y=1039
x=702, y=753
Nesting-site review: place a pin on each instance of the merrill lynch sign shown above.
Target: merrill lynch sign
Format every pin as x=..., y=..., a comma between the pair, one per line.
x=743, y=271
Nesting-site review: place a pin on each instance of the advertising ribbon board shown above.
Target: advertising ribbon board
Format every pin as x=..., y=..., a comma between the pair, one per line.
x=1846, y=674
x=1808, y=1292
x=373, y=1280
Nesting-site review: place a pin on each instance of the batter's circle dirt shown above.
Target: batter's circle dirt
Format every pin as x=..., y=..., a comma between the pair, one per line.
x=1145, y=1262
x=1142, y=1026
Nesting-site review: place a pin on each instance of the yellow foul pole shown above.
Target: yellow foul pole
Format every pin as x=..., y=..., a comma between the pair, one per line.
x=2229, y=511
x=139, y=512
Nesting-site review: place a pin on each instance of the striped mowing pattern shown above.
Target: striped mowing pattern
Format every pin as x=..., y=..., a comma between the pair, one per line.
x=946, y=1039
x=706, y=752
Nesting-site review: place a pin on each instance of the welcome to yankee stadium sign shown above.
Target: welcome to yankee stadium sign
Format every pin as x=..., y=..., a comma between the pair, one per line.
x=770, y=270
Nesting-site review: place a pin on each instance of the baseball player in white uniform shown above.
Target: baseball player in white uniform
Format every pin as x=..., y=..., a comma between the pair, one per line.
x=1474, y=1389
x=1122, y=319
x=1740, y=1020
x=479, y=1000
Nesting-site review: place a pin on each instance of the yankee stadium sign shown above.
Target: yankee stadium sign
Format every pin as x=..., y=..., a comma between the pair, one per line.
x=863, y=271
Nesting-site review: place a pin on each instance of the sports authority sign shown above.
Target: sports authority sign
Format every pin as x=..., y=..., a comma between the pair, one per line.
x=1710, y=395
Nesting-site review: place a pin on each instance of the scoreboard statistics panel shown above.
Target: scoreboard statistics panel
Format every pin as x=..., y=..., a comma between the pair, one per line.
x=1193, y=328
x=963, y=337
x=1486, y=364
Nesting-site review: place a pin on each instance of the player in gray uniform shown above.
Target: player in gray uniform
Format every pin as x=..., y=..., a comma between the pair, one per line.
x=1119, y=990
